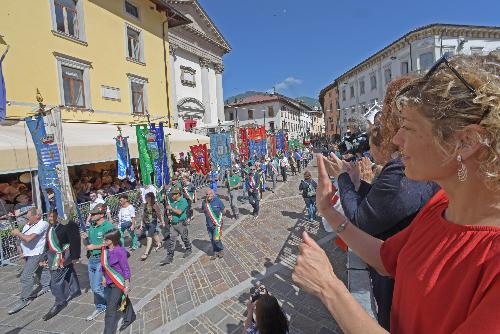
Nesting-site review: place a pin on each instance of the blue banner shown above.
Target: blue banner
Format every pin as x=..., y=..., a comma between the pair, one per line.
x=257, y=149
x=3, y=94
x=49, y=161
x=123, y=157
x=220, y=149
x=156, y=154
x=163, y=147
x=280, y=141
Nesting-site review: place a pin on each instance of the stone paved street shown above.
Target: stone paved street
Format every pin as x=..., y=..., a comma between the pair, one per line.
x=199, y=295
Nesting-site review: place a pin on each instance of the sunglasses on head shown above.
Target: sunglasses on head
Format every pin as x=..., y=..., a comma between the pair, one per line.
x=433, y=69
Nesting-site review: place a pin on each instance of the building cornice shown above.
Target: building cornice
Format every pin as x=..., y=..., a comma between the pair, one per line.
x=451, y=30
x=178, y=42
x=222, y=43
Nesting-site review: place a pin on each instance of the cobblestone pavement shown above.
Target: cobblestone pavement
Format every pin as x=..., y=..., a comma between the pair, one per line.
x=199, y=295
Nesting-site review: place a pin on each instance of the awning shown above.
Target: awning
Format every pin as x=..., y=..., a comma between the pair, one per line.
x=84, y=143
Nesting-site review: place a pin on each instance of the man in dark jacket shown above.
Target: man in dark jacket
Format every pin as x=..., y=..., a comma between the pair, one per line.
x=308, y=187
x=63, y=250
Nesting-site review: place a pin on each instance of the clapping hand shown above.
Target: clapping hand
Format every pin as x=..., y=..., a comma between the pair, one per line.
x=366, y=171
x=313, y=271
x=324, y=192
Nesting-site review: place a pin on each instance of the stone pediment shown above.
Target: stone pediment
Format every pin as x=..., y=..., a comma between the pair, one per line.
x=201, y=26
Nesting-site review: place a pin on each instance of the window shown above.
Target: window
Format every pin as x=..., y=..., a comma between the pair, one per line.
x=74, y=95
x=343, y=94
x=188, y=76
x=352, y=91
x=132, y=9
x=138, y=94
x=271, y=126
x=387, y=75
x=425, y=61
x=476, y=50
x=270, y=112
x=231, y=116
x=404, y=68
x=74, y=81
x=373, y=82
x=250, y=114
x=67, y=18
x=449, y=51
x=361, y=87
x=134, y=44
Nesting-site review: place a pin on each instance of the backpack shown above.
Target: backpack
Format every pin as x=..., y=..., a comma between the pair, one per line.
x=311, y=190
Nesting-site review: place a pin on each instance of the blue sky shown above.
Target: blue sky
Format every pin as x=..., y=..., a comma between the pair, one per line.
x=301, y=46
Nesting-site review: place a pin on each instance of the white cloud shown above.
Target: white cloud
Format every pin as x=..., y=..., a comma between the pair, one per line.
x=287, y=83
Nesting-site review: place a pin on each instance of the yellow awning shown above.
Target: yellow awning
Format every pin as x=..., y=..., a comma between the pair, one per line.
x=84, y=143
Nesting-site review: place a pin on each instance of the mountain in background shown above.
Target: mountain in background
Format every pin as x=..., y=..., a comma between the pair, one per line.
x=306, y=99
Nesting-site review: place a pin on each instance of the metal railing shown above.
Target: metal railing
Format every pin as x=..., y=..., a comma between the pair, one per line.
x=9, y=245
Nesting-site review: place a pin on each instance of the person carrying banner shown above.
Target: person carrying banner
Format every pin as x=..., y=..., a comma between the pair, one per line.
x=32, y=236
x=233, y=183
x=116, y=279
x=253, y=186
x=63, y=250
x=98, y=228
x=213, y=208
x=177, y=207
x=189, y=193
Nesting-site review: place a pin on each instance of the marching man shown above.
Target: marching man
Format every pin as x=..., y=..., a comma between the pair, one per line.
x=213, y=208
x=253, y=186
x=189, y=193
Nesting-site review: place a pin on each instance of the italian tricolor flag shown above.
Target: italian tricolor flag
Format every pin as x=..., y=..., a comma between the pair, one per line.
x=216, y=220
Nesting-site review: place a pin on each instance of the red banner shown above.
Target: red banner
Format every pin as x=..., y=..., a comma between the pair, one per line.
x=243, y=144
x=257, y=134
x=200, y=158
x=271, y=145
x=286, y=142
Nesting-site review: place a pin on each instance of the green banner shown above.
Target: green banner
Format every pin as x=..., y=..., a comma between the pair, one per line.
x=145, y=160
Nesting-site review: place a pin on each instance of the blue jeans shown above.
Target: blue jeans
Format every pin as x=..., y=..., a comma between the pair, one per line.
x=95, y=278
x=216, y=244
x=125, y=227
x=311, y=207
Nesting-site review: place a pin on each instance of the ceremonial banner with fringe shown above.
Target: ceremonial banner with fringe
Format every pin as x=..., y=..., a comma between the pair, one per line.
x=243, y=144
x=125, y=168
x=50, y=169
x=200, y=158
x=220, y=145
x=145, y=160
x=257, y=148
x=271, y=145
x=280, y=141
x=165, y=164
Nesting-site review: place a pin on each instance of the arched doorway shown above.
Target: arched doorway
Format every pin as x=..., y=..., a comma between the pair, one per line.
x=191, y=112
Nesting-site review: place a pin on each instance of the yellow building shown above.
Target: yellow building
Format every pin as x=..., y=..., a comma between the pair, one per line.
x=100, y=61
x=103, y=60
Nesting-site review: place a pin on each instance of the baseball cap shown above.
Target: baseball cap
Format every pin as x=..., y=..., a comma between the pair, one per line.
x=98, y=209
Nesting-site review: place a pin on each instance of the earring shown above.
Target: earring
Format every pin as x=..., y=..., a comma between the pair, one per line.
x=462, y=169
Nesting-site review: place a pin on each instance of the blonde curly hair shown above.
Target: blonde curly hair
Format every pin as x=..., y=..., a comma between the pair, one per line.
x=451, y=106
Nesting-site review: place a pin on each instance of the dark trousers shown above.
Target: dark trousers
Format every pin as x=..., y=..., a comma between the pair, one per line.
x=175, y=231
x=254, y=199
x=383, y=288
x=112, y=315
x=283, y=173
x=217, y=245
x=61, y=278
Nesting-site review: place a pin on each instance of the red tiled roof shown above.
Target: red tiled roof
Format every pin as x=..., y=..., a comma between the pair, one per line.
x=257, y=98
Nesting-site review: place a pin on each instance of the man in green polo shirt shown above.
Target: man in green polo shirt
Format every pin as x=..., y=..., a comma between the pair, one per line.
x=176, y=208
x=93, y=240
x=233, y=183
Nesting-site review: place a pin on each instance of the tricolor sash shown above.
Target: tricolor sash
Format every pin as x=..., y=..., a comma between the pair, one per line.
x=252, y=182
x=275, y=171
x=115, y=277
x=54, y=247
x=191, y=198
x=216, y=220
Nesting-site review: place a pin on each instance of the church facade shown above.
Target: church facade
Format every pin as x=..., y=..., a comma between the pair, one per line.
x=196, y=67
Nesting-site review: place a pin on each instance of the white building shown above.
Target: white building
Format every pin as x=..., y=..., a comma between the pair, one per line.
x=196, y=65
x=364, y=84
x=276, y=111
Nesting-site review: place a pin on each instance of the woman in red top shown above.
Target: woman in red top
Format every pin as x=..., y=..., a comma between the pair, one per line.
x=446, y=264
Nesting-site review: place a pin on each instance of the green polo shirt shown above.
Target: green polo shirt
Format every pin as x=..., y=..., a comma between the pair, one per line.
x=96, y=234
x=181, y=204
x=234, y=180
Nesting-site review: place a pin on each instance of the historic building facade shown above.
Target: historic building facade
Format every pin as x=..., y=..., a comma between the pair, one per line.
x=275, y=111
x=331, y=110
x=364, y=85
x=196, y=51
